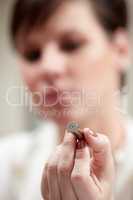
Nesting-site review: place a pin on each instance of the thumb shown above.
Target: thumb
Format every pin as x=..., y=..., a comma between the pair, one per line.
x=103, y=163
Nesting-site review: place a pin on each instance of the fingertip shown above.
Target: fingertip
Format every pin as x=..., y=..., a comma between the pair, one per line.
x=68, y=137
x=88, y=133
x=87, y=130
x=68, y=134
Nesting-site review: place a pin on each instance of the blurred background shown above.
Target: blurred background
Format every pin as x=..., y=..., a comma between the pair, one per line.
x=12, y=118
x=18, y=118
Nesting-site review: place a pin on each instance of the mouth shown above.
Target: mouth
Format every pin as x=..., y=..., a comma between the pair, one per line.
x=50, y=97
x=54, y=96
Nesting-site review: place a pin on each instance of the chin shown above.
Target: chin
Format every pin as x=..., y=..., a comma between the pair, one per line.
x=62, y=115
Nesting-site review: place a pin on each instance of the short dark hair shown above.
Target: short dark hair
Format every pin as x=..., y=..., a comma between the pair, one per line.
x=112, y=14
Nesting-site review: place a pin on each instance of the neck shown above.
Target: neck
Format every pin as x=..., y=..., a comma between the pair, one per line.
x=107, y=120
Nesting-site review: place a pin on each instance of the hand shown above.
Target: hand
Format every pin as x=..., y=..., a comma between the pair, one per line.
x=80, y=171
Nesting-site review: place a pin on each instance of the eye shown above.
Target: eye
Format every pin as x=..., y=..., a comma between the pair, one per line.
x=32, y=55
x=70, y=46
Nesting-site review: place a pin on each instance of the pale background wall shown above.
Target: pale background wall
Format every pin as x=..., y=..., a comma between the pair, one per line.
x=130, y=75
x=12, y=118
x=19, y=118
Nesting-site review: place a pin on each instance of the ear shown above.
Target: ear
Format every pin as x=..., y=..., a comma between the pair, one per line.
x=120, y=42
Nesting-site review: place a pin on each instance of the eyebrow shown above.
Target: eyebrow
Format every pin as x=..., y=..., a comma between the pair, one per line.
x=71, y=33
x=33, y=37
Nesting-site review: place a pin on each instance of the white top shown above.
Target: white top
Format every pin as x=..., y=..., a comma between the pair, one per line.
x=124, y=170
x=23, y=156
x=22, y=159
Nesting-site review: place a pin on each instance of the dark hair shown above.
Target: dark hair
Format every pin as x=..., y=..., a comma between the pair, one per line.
x=112, y=14
x=27, y=14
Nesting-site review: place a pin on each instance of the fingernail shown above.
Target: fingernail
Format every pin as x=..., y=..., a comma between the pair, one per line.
x=94, y=134
x=68, y=136
x=90, y=132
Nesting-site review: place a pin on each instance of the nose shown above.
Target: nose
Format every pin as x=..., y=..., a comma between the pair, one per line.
x=53, y=63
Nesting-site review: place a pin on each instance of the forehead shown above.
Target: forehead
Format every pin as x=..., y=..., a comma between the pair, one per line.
x=74, y=14
x=69, y=17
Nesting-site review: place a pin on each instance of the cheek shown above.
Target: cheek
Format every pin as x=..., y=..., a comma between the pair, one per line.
x=93, y=67
x=29, y=76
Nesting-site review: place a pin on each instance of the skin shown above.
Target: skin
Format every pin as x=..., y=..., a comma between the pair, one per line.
x=77, y=176
x=93, y=63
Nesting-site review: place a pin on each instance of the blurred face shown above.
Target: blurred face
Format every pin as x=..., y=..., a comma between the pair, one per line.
x=69, y=64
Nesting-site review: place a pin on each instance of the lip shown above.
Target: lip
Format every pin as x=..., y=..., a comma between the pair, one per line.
x=54, y=95
x=50, y=97
x=54, y=90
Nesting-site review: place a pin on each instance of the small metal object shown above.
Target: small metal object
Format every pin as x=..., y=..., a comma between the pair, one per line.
x=74, y=128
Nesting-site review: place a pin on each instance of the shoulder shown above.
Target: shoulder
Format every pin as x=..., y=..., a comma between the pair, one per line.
x=18, y=144
x=127, y=150
x=124, y=162
x=12, y=152
x=14, y=146
x=129, y=125
x=129, y=136
x=19, y=152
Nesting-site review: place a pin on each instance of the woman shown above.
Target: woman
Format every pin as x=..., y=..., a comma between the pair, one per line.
x=73, y=55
